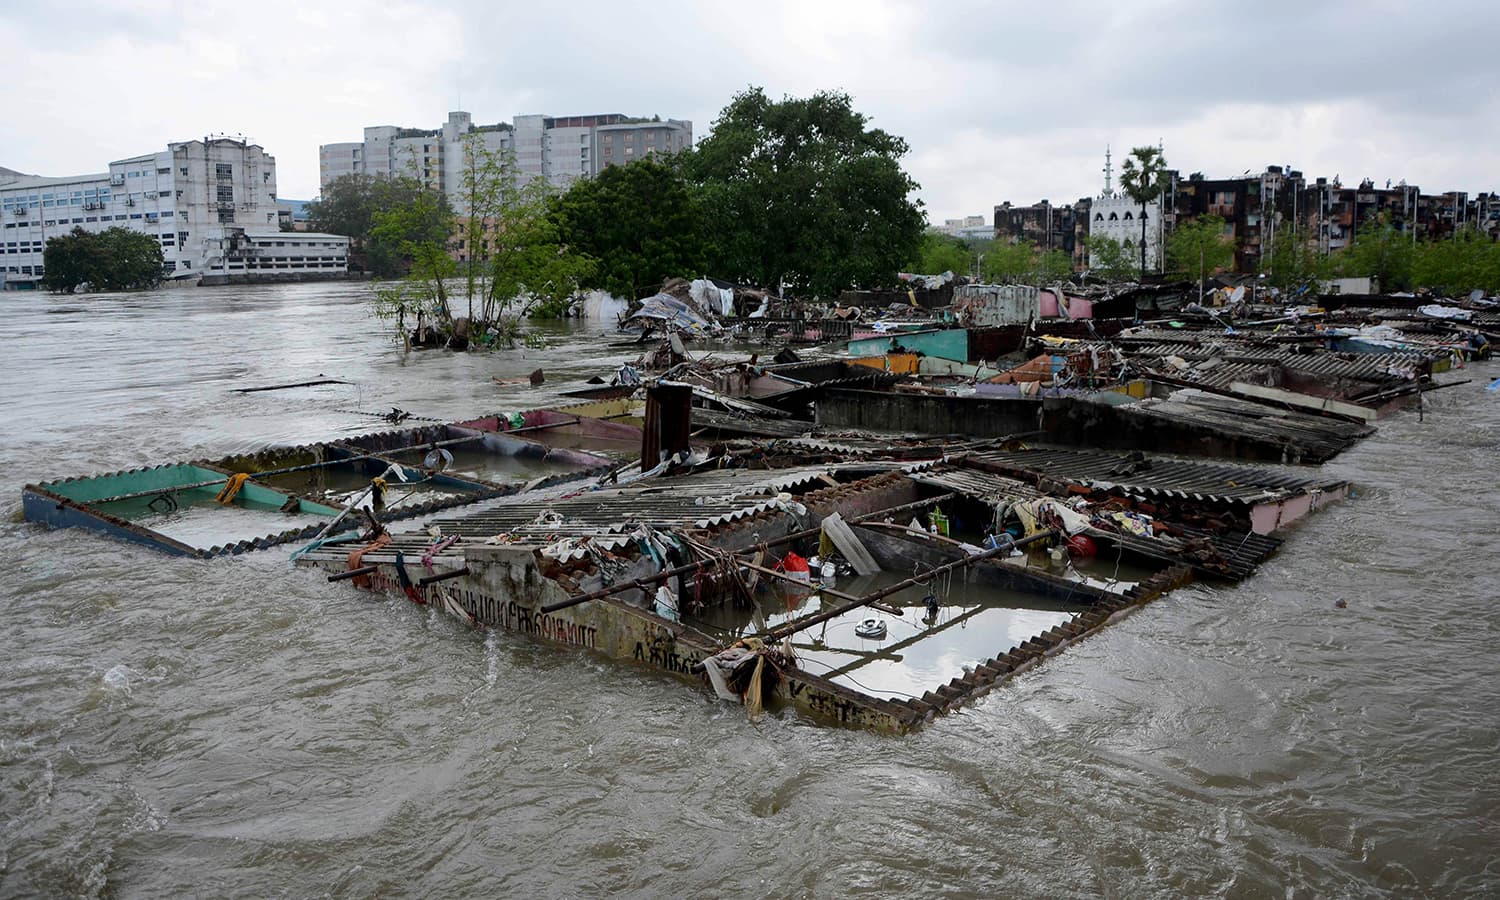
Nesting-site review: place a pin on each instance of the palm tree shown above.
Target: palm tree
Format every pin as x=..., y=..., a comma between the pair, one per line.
x=1143, y=177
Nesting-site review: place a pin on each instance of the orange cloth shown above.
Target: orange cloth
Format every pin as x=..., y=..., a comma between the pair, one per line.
x=356, y=557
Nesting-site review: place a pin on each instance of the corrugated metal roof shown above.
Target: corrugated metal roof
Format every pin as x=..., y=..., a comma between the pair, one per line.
x=975, y=483
x=606, y=516
x=1156, y=476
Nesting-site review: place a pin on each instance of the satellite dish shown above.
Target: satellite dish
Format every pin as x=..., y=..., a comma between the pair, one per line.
x=1237, y=294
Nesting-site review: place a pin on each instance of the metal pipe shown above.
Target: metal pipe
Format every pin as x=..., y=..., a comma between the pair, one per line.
x=444, y=576
x=647, y=581
x=353, y=573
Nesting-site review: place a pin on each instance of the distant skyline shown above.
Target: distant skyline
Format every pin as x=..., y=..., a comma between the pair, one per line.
x=998, y=103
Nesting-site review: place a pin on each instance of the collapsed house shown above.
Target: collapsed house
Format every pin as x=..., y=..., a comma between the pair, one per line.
x=873, y=537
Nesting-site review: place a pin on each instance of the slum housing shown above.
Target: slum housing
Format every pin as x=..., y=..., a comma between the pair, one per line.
x=921, y=495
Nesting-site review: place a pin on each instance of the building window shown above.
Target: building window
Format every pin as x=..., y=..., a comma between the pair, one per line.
x=226, y=215
x=226, y=193
x=223, y=170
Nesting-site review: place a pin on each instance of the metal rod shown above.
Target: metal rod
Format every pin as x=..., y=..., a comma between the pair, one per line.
x=802, y=624
x=353, y=573
x=444, y=576
x=823, y=589
x=649, y=580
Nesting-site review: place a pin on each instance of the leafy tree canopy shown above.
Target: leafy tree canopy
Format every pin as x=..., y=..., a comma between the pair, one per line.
x=641, y=222
x=1199, y=248
x=1109, y=259
x=511, y=262
x=116, y=259
x=1382, y=252
x=802, y=192
x=939, y=253
x=1006, y=262
x=352, y=205
x=1293, y=263
x=1458, y=265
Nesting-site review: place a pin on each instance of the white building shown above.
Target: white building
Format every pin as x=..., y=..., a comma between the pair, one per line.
x=559, y=149
x=272, y=255
x=190, y=197
x=1119, y=217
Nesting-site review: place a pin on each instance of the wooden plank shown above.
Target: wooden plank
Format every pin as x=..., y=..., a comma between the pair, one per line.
x=1304, y=401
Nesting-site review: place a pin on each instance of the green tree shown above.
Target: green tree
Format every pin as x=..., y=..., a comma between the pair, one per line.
x=1199, y=247
x=1381, y=252
x=510, y=261
x=1108, y=258
x=941, y=253
x=1053, y=265
x=641, y=222
x=1006, y=262
x=116, y=259
x=802, y=192
x=1453, y=267
x=1143, y=177
x=349, y=206
x=1293, y=263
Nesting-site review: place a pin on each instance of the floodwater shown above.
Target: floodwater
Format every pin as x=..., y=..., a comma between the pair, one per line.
x=239, y=728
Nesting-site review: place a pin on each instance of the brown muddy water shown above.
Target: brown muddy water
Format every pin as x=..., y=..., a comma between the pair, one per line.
x=239, y=728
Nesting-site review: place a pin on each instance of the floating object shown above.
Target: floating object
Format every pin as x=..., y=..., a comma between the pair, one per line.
x=871, y=628
x=439, y=459
x=282, y=387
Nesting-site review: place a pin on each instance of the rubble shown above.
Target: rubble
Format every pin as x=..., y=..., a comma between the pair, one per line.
x=857, y=531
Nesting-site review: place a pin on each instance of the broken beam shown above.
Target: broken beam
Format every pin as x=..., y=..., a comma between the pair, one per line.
x=646, y=582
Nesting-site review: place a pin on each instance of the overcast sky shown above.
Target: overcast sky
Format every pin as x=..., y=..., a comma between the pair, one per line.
x=999, y=101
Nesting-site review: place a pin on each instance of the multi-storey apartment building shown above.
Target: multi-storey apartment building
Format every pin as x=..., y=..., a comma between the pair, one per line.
x=1256, y=209
x=559, y=149
x=193, y=197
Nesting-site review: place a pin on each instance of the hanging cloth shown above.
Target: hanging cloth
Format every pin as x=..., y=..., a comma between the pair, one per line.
x=356, y=558
x=232, y=488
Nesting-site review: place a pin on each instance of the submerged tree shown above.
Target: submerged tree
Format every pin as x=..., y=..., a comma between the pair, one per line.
x=802, y=192
x=116, y=259
x=1143, y=177
x=641, y=222
x=502, y=257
